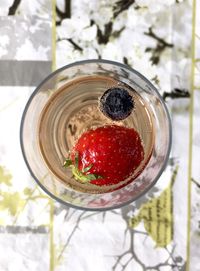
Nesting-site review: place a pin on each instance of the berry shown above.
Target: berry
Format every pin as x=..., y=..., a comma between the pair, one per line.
x=116, y=103
x=106, y=155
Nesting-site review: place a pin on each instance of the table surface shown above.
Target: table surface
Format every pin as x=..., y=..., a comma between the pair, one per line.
x=161, y=39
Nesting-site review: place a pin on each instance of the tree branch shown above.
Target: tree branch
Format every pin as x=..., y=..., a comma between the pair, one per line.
x=104, y=36
x=13, y=8
x=121, y=6
x=161, y=46
x=176, y=93
x=160, y=40
x=76, y=47
x=70, y=236
x=66, y=14
x=195, y=182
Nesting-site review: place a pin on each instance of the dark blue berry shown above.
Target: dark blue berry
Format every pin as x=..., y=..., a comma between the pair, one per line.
x=116, y=103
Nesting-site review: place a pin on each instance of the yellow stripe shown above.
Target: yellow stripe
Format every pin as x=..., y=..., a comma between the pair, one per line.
x=9, y=104
x=191, y=132
x=53, y=67
x=51, y=234
x=51, y=202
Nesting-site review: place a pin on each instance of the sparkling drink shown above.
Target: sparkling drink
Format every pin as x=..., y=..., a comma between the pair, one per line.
x=74, y=109
x=65, y=105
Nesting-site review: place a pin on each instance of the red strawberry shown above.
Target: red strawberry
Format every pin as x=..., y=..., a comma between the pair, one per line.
x=106, y=155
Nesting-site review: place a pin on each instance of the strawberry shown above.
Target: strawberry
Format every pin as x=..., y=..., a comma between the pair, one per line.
x=106, y=155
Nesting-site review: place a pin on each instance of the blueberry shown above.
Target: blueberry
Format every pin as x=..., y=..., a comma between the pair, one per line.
x=116, y=103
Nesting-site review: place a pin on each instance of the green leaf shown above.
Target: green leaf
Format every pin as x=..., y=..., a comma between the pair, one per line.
x=98, y=176
x=86, y=169
x=79, y=176
x=67, y=163
x=76, y=159
x=93, y=177
x=27, y=191
x=83, y=178
x=157, y=216
x=13, y=202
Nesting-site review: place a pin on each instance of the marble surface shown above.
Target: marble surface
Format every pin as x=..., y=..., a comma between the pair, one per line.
x=161, y=40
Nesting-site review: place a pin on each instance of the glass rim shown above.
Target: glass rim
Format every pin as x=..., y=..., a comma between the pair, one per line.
x=82, y=62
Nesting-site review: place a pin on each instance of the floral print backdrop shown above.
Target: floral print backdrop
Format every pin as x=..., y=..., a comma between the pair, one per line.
x=161, y=230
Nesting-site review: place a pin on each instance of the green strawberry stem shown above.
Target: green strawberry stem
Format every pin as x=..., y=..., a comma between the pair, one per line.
x=67, y=163
x=80, y=175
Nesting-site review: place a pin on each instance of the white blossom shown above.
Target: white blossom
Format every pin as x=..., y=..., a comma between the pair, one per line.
x=28, y=51
x=112, y=51
x=71, y=28
x=89, y=33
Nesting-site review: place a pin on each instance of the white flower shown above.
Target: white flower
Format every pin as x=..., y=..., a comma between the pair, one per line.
x=89, y=33
x=40, y=8
x=90, y=53
x=3, y=52
x=137, y=18
x=65, y=53
x=28, y=51
x=73, y=27
x=102, y=16
x=5, y=4
x=155, y=5
x=182, y=27
x=81, y=21
x=60, y=4
x=119, y=23
x=140, y=62
x=67, y=29
x=112, y=51
x=4, y=40
x=181, y=73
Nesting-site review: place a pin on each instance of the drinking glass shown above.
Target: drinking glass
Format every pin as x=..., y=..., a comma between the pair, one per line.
x=65, y=104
